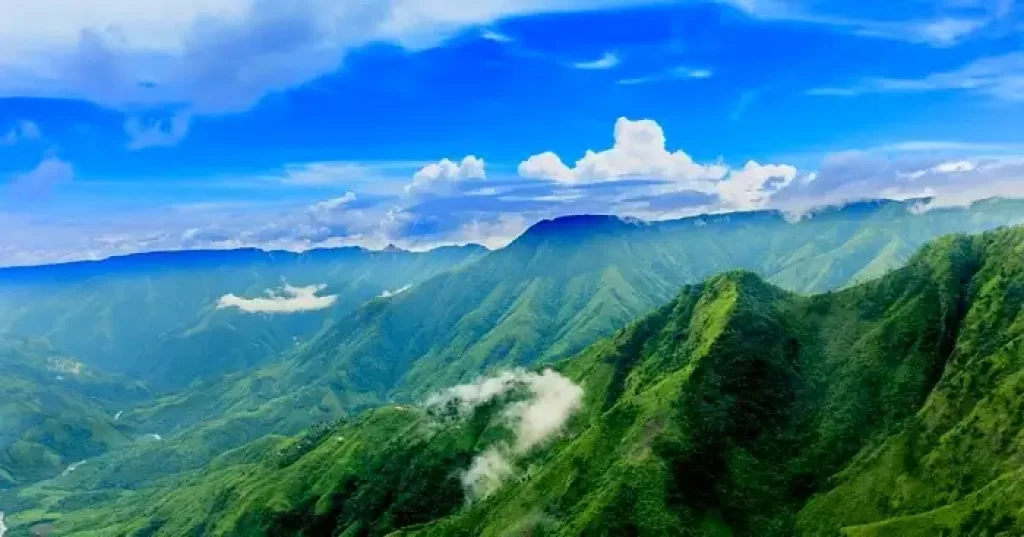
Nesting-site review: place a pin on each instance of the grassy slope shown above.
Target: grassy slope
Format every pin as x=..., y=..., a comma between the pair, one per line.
x=55, y=412
x=560, y=287
x=154, y=316
x=737, y=409
x=954, y=469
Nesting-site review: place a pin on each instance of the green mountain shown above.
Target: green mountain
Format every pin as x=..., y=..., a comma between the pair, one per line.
x=886, y=409
x=155, y=317
x=560, y=287
x=55, y=411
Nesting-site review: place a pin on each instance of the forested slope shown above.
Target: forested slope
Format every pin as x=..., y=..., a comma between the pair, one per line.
x=889, y=408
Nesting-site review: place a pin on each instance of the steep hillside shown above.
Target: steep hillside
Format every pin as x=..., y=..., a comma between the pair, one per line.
x=886, y=409
x=566, y=283
x=155, y=317
x=54, y=412
x=955, y=467
x=561, y=286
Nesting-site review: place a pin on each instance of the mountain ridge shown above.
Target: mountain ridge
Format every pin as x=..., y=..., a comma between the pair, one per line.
x=521, y=306
x=737, y=408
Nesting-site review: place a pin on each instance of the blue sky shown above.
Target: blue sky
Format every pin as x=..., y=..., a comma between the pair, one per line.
x=220, y=123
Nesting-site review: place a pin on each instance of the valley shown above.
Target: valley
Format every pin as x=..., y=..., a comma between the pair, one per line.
x=864, y=339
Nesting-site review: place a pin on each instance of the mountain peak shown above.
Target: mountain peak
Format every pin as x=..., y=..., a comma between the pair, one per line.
x=392, y=248
x=579, y=224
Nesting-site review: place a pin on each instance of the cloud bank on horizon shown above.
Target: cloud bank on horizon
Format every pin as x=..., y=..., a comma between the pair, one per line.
x=305, y=123
x=458, y=202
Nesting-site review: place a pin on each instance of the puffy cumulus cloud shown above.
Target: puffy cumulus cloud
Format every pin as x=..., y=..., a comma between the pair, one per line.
x=638, y=151
x=288, y=299
x=752, y=186
x=441, y=176
x=551, y=399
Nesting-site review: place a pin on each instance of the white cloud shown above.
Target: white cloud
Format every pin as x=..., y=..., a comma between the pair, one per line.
x=552, y=399
x=324, y=208
x=388, y=293
x=159, y=133
x=22, y=131
x=638, y=151
x=962, y=21
x=49, y=173
x=999, y=77
x=487, y=473
x=958, y=166
x=483, y=390
x=607, y=61
x=217, y=56
x=442, y=175
x=496, y=36
x=948, y=31
x=853, y=176
x=751, y=187
x=288, y=299
x=675, y=73
x=367, y=174
x=936, y=146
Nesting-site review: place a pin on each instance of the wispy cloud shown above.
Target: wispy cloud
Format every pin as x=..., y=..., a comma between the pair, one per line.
x=218, y=57
x=744, y=102
x=343, y=173
x=675, y=73
x=22, y=131
x=496, y=36
x=999, y=77
x=288, y=299
x=960, y=23
x=938, y=146
x=552, y=400
x=607, y=61
x=388, y=293
x=39, y=181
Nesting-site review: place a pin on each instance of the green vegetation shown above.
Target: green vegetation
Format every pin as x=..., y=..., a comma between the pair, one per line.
x=889, y=408
x=560, y=287
x=54, y=412
x=154, y=316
